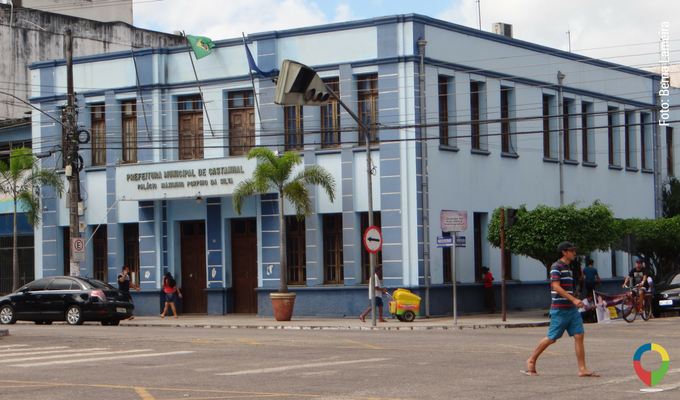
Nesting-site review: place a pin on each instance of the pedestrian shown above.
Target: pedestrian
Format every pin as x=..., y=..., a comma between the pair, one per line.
x=489, y=297
x=588, y=311
x=170, y=287
x=589, y=276
x=564, y=313
x=124, y=283
x=638, y=280
x=374, y=289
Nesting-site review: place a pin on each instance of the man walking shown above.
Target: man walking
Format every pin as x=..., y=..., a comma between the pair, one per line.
x=564, y=313
x=374, y=289
x=124, y=283
x=590, y=275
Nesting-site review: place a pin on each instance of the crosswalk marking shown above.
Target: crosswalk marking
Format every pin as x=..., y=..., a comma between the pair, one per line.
x=3, y=352
x=172, y=353
x=289, y=367
x=27, y=356
x=34, y=353
x=95, y=353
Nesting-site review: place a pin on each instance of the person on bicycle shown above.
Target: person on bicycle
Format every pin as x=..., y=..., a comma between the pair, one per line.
x=638, y=279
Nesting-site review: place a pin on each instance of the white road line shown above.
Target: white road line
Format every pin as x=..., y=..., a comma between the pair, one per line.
x=103, y=359
x=20, y=359
x=2, y=352
x=30, y=352
x=277, y=369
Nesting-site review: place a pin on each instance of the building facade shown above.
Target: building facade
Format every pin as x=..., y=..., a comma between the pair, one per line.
x=165, y=156
x=34, y=30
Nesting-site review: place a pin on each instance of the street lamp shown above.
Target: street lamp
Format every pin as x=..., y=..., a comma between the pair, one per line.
x=300, y=85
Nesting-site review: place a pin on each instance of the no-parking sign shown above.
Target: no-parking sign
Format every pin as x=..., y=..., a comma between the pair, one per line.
x=78, y=250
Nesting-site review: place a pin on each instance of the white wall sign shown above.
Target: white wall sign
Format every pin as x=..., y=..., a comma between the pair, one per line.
x=184, y=179
x=453, y=221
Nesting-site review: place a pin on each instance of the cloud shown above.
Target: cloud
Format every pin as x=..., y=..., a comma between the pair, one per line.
x=222, y=19
x=343, y=13
x=625, y=31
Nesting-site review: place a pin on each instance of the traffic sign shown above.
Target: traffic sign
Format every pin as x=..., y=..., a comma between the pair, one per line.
x=453, y=221
x=78, y=249
x=373, y=239
x=444, y=241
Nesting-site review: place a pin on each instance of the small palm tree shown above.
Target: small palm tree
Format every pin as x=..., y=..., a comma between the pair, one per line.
x=274, y=173
x=21, y=180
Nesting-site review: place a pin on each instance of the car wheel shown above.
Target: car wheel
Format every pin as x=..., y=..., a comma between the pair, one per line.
x=39, y=322
x=7, y=316
x=74, y=315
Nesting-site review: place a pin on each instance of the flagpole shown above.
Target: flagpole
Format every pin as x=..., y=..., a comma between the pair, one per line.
x=199, y=85
x=252, y=82
x=141, y=97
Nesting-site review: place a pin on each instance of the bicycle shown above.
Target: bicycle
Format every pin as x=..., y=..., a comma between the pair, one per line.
x=630, y=306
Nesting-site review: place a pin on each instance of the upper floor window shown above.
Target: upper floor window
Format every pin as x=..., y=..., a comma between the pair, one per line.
x=241, y=122
x=587, y=132
x=670, y=170
x=508, y=144
x=646, y=156
x=368, y=105
x=569, y=141
x=292, y=120
x=629, y=138
x=129, y=109
x=98, y=135
x=190, y=112
x=549, y=150
x=446, y=106
x=613, y=136
x=474, y=114
x=330, y=117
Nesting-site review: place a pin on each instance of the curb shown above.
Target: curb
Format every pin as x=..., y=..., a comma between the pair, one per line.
x=349, y=328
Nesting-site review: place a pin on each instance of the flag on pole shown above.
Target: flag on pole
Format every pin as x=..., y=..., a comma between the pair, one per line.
x=201, y=45
x=253, y=66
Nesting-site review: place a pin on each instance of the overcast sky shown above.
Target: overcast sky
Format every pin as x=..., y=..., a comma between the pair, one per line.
x=621, y=31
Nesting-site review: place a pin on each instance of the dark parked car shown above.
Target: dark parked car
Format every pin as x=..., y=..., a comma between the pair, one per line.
x=68, y=298
x=666, y=295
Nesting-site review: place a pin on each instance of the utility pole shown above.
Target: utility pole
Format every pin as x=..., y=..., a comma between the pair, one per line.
x=71, y=155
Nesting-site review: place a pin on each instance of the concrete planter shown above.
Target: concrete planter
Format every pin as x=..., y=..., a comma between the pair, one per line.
x=282, y=304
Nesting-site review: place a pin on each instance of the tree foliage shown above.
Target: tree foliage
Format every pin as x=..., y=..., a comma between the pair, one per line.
x=670, y=196
x=21, y=180
x=273, y=173
x=537, y=232
x=657, y=242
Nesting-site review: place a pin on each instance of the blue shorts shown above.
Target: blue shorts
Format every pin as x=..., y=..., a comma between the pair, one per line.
x=378, y=302
x=169, y=297
x=565, y=320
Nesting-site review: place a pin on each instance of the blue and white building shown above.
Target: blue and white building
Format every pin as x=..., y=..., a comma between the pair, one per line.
x=165, y=157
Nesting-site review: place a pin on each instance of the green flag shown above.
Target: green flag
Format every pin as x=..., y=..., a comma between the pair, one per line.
x=202, y=45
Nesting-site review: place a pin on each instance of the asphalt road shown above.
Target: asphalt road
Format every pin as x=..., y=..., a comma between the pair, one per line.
x=96, y=362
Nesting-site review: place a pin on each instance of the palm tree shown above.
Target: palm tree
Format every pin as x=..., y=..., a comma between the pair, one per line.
x=21, y=180
x=274, y=173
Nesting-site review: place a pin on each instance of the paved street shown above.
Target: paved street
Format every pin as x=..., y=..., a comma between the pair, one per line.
x=171, y=362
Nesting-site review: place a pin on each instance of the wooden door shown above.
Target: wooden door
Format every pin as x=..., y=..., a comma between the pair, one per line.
x=241, y=131
x=244, y=264
x=194, y=267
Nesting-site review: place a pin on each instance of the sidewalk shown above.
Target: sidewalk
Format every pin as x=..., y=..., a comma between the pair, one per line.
x=514, y=319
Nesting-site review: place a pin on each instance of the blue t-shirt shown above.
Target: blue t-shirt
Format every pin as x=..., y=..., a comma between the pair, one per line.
x=560, y=272
x=590, y=274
